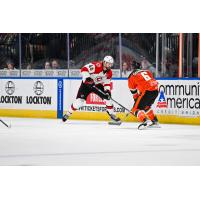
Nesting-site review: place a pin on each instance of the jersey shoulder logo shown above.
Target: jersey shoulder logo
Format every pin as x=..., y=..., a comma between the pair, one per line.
x=91, y=67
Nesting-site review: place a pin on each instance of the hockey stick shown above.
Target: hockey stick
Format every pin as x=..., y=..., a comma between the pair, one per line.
x=127, y=114
x=9, y=126
x=129, y=111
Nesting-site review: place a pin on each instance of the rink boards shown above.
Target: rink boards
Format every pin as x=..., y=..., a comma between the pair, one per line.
x=178, y=100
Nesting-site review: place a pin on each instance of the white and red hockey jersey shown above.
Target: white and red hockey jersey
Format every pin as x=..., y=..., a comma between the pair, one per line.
x=95, y=71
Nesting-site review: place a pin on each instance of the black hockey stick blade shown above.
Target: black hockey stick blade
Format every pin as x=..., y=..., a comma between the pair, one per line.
x=8, y=126
x=115, y=123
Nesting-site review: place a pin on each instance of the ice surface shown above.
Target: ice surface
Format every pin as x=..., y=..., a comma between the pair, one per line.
x=50, y=142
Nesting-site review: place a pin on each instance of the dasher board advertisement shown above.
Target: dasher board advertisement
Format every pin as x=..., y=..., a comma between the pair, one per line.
x=93, y=102
x=28, y=94
x=178, y=97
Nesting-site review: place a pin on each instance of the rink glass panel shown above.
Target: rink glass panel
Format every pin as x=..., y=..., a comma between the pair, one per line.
x=30, y=51
x=138, y=47
x=9, y=53
x=38, y=48
x=190, y=55
x=168, y=55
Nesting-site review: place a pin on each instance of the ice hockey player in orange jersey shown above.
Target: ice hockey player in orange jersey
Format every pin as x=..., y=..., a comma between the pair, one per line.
x=96, y=78
x=144, y=88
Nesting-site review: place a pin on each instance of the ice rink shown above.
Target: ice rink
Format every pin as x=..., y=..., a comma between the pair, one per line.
x=50, y=142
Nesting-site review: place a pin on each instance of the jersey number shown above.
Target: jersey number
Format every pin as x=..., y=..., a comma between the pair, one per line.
x=145, y=76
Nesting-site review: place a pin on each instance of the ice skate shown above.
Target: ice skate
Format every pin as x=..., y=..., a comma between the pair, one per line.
x=65, y=117
x=114, y=119
x=145, y=124
x=154, y=123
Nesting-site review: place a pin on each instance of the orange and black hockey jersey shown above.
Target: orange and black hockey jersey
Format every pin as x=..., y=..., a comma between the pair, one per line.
x=141, y=81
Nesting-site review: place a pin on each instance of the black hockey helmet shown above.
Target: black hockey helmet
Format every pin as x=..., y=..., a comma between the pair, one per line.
x=136, y=65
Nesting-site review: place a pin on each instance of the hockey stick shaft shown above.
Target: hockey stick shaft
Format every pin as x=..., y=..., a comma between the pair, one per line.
x=4, y=123
x=114, y=101
x=122, y=106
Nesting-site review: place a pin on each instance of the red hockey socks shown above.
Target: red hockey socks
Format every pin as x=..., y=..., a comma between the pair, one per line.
x=141, y=115
x=150, y=114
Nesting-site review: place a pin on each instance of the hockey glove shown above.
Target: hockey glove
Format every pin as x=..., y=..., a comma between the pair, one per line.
x=107, y=95
x=135, y=94
x=89, y=82
x=135, y=97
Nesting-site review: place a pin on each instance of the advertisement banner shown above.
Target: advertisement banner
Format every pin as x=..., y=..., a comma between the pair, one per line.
x=77, y=73
x=178, y=97
x=9, y=73
x=93, y=102
x=60, y=98
x=44, y=73
x=34, y=94
x=178, y=101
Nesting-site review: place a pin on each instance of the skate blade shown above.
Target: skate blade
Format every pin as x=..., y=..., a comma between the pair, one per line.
x=154, y=126
x=142, y=127
x=149, y=127
x=115, y=123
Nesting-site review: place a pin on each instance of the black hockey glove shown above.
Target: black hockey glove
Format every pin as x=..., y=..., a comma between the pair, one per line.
x=107, y=94
x=135, y=94
x=89, y=82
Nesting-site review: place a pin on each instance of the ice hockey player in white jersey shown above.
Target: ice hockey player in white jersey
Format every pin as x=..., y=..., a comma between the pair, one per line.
x=96, y=78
